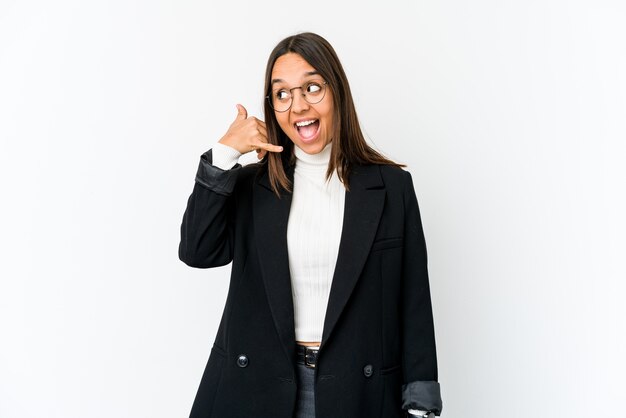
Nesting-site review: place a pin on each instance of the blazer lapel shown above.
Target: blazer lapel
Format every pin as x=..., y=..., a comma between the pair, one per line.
x=271, y=215
x=363, y=208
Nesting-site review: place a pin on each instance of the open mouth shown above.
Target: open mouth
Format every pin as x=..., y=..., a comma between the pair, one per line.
x=307, y=129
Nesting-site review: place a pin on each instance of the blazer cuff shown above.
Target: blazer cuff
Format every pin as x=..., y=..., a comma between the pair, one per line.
x=422, y=395
x=417, y=413
x=214, y=178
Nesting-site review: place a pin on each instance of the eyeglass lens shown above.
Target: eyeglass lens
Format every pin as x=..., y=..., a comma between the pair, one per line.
x=313, y=92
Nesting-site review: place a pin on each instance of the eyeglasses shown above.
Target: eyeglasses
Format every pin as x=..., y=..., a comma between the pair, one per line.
x=313, y=92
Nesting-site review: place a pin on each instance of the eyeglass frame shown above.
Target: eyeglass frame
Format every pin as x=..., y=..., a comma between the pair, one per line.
x=324, y=86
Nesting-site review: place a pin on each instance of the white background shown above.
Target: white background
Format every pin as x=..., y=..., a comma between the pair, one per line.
x=511, y=115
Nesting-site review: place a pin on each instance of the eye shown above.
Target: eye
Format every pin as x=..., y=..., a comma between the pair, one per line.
x=281, y=95
x=313, y=88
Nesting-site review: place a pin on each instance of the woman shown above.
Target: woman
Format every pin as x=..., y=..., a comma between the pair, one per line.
x=328, y=312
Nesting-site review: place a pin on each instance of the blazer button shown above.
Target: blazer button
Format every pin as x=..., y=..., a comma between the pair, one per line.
x=242, y=360
x=368, y=370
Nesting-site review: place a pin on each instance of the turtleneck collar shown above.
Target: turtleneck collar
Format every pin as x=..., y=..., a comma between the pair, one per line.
x=320, y=159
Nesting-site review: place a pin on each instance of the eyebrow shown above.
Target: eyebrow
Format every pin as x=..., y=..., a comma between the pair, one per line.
x=307, y=74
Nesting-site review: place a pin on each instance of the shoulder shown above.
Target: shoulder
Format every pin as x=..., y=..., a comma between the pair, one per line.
x=395, y=178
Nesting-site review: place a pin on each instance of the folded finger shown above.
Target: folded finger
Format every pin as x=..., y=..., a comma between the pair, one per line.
x=268, y=147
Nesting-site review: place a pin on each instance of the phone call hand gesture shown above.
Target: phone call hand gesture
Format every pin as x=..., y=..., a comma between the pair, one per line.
x=248, y=133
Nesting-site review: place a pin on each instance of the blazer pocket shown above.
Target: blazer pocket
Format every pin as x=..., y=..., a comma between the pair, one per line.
x=206, y=398
x=218, y=350
x=386, y=243
x=389, y=370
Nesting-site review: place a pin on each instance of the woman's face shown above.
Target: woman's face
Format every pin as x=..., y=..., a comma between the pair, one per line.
x=309, y=126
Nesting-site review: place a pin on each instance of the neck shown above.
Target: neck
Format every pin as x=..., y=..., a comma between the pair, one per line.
x=321, y=159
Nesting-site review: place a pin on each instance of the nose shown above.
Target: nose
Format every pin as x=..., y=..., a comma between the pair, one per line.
x=298, y=103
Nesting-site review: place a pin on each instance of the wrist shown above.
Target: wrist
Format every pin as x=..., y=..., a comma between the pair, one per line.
x=229, y=141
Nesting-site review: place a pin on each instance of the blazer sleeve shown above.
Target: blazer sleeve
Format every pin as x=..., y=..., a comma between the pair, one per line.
x=420, y=389
x=207, y=230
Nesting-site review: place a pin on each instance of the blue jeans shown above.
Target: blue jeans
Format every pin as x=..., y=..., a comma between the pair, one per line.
x=305, y=401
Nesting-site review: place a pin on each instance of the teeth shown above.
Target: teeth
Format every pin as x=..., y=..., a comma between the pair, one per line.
x=306, y=122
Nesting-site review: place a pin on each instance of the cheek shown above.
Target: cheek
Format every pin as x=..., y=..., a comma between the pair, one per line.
x=326, y=111
x=282, y=122
x=328, y=118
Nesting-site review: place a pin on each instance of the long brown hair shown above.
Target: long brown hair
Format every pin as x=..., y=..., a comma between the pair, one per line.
x=348, y=147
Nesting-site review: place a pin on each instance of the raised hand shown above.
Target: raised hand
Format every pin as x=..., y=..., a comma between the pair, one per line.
x=248, y=133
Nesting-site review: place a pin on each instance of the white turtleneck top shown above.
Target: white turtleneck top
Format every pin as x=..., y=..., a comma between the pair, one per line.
x=313, y=235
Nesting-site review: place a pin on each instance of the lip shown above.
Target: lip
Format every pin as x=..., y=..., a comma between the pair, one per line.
x=304, y=120
x=314, y=137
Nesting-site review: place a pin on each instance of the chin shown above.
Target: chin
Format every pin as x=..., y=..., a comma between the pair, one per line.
x=311, y=148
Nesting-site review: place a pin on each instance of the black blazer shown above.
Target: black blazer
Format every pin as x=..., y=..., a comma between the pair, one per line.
x=377, y=354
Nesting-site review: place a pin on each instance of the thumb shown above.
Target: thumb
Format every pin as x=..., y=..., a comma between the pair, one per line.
x=242, y=113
